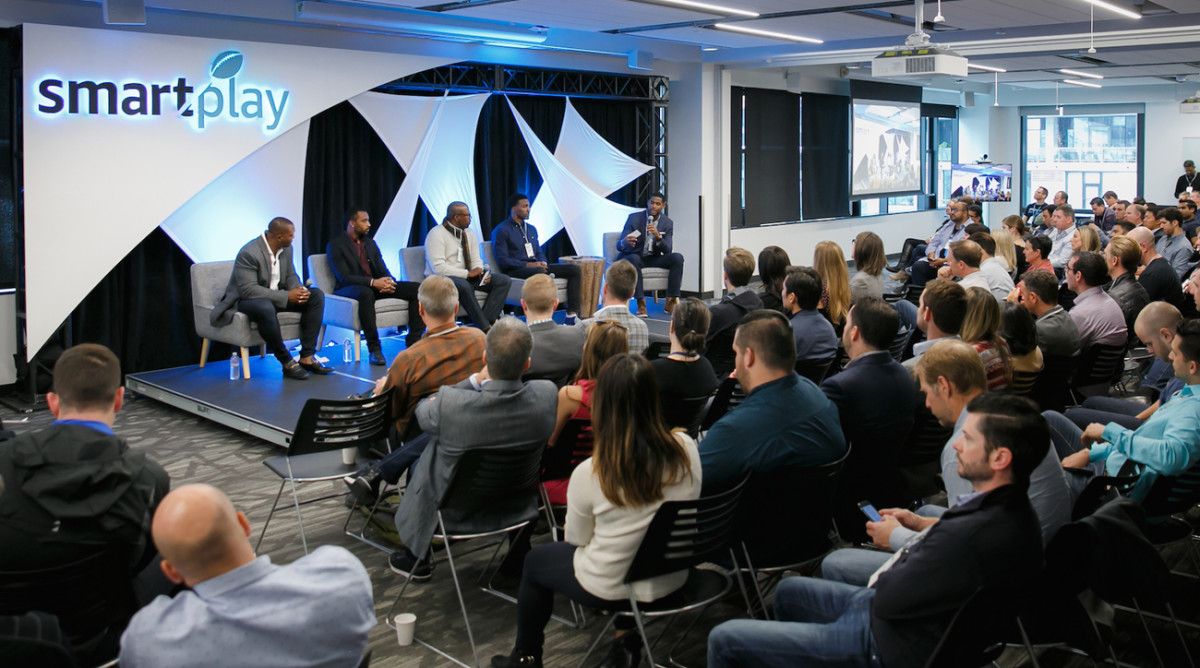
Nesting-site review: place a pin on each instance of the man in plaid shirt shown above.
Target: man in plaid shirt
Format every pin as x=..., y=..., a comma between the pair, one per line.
x=619, y=283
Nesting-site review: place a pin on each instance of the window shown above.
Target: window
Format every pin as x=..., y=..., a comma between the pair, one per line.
x=1082, y=155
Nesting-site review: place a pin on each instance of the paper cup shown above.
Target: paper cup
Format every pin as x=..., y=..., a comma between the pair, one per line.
x=349, y=455
x=406, y=625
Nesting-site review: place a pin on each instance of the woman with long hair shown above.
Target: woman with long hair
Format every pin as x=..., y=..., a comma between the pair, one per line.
x=830, y=263
x=635, y=466
x=1085, y=238
x=773, y=262
x=1006, y=250
x=685, y=373
x=980, y=328
x=869, y=261
x=1019, y=331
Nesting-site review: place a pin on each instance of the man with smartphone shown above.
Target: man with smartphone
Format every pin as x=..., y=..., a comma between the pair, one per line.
x=646, y=242
x=452, y=250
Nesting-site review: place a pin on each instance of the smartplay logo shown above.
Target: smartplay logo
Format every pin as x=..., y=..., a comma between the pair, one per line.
x=222, y=99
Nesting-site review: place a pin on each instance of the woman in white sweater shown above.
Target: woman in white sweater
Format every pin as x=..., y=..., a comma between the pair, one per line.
x=636, y=464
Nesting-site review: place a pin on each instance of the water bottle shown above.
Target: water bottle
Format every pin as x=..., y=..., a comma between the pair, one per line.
x=235, y=369
x=347, y=351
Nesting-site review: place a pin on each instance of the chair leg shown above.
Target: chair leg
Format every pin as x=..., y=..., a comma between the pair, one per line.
x=1029, y=645
x=1179, y=632
x=641, y=626
x=299, y=519
x=321, y=337
x=458, y=589
x=269, y=516
x=599, y=636
x=1149, y=636
x=262, y=351
x=357, y=345
x=204, y=343
x=245, y=363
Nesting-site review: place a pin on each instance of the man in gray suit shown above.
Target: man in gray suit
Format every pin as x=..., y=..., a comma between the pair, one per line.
x=492, y=409
x=557, y=349
x=263, y=283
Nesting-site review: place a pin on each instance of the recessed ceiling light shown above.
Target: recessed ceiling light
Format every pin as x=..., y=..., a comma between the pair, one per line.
x=716, y=9
x=1123, y=11
x=767, y=33
x=1085, y=84
x=1078, y=73
x=987, y=68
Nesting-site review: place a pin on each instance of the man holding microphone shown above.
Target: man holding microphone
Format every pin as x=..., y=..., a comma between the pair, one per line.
x=646, y=242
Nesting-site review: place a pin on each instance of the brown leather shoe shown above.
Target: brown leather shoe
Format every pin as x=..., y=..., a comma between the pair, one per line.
x=641, y=309
x=671, y=302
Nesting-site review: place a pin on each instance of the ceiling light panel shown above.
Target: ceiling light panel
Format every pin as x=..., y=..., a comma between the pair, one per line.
x=1085, y=84
x=771, y=34
x=1079, y=73
x=708, y=7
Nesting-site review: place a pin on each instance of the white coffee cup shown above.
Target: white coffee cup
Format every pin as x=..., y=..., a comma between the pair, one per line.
x=406, y=626
x=349, y=455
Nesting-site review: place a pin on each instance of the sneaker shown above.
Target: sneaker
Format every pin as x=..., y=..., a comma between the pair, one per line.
x=402, y=562
x=364, y=487
x=293, y=370
x=516, y=659
x=641, y=309
x=569, y=320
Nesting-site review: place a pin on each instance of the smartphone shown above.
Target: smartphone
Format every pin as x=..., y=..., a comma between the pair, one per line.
x=635, y=233
x=869, y=511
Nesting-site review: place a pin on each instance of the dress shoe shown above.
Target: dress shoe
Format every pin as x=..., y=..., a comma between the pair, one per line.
x=293, y=370
x=376, y=358
x=316, y=367
x=516, y=659
x=900, y=276
x=672, y=302
x=364, y=487
x=641, y=309
x=626, y=652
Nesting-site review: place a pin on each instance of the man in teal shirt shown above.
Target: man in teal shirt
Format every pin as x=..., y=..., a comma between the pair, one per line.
x=1168, y=443
x=784, y=420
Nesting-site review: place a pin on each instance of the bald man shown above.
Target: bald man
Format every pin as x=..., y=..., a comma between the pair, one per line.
x=242, y=610
x=1157, y=275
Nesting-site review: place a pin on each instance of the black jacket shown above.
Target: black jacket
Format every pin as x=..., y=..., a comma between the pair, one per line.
x=993, y=539
x=727, y=313
x=347, y=270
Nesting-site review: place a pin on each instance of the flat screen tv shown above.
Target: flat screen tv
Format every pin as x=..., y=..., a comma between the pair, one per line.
x=886, y=148
x=984, y=182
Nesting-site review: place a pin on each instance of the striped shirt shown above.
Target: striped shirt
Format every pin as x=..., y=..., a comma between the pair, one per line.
x=444, y=356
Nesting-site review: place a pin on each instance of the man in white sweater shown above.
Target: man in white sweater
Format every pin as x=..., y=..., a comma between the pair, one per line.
x=451, y=250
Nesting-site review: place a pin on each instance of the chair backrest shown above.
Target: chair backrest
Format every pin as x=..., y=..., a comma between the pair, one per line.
x=976, y=633
x=899, y=343
x=655, y=349
x=687, y=413
x=1098, y=491
x=489, y=255
x=1051, y=390
x=610, y=247
x=1100, y=364
x=1023, y=382
x=208, y=282
x=333, y=424
x=786, y=515
x=913, y=294
x=489, y=479
x=684, y=534
x=320, y=272
x=92, y=597
x=412, y=263
x=573, y=446
x=728, y=397
x=814, y=370
x=1173, y=494
x=926, y=439
x=35, y=639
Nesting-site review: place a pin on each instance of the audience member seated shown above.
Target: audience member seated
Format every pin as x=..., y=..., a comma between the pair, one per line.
x=1174, y=245
x=784, y=420
x=1122, y=256
x=981, y=329
x=993, y=267
x=940, y=314
x=1085, y=239
x=619, y=281
x=609, y=508
x=951, y=376
x=962, y=263
x=815, y=338
x=1019, y=331
x=1062, y=230
x=242, y=610
x=1056, y=331
x=1167, y=443
x=494, y=410
x=875, y=399
x=515, y=245
x=1156, y=327
x=830, y=263
x=1097, y=316
x=1037, y=254
x=557, y=349
x=605, y=340
x=739, y=300
x=991, y=540
x=924, y=268
x=452, y=250
x=684, y=373
x=869, y=261
x=1157, y=275
x=773, y=262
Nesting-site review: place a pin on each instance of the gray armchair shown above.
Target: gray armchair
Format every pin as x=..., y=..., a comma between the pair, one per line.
x=517, y=284
x=208, y=286
x=343, y=311
x=653, y=278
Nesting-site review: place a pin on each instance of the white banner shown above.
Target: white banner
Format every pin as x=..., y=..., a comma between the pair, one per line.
x=122, y=128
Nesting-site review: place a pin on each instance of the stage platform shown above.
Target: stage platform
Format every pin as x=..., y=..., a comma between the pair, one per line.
x=267, y=406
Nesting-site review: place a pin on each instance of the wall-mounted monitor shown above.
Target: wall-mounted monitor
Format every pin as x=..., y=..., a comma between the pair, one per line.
x=887, y=149
x=986, y=183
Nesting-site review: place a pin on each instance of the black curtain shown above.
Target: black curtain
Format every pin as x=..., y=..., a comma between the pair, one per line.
x=826, y=161
x=771, y=180
x=10, y=78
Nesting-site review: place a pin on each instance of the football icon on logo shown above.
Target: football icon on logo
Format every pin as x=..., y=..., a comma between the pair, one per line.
x=226, y=64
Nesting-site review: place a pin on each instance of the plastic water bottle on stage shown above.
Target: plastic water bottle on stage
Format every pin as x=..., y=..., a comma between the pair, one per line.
x=235, y=369
x=347, y=351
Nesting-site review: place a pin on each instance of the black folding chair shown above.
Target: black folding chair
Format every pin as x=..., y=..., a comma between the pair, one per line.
x=975, y=635
x=1050, y=390
x=1023, y=382
x=728, y=397
x=686, y=413
x=493, y=495
x=682, y=535
x=1168, y=497
x=656, y=348
x=1099, y=367
x=900, y=343
x=325, y=428
x=573, y=446
x=814, y=370
x=921, y=454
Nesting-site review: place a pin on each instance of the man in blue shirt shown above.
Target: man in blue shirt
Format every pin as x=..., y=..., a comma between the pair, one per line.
x=814, y=335
x=1033, y=210
x=784, y=420
x=515, y=243
x=241, y=610
x=1167, y=443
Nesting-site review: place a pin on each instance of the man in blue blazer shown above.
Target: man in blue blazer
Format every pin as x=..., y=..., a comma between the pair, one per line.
x=646, y=242
x=520, y=255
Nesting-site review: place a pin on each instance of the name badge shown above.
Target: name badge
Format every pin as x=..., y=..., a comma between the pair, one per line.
x=458, y=255
x=1189, y=190
x=528, y=249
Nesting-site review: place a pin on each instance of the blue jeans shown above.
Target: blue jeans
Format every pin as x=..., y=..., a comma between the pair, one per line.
x=1067, y=438
x=821, y=624
x=1105, y=410
x=855, y=566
